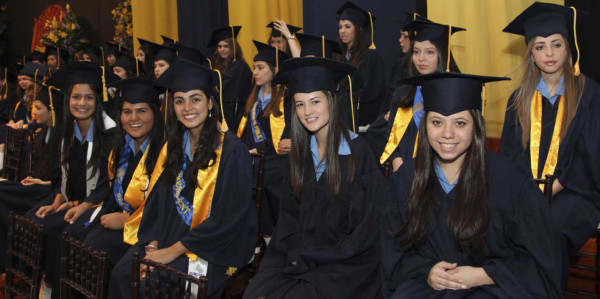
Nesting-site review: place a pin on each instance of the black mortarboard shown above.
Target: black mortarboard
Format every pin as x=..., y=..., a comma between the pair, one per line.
x=129, y=64
x=160, y=52
x=545, y=19
x=137, y=90
x=82, y=72
x=352, y=12
x=89, y=48
x=448, y=93
x=318, y=46
x=308, y=74
x=39, y=56
x=407, y=17
x=33, y=70
x=185, y=75
x=167, y=41
x=276, y=33
x=222, y=34
x=52, y=98
x=113, y=49
x=268, y=54
x=427, y=30
x=189, y=53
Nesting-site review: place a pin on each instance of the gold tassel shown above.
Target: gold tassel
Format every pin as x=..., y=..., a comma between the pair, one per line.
x=372, y=46
x=483, y=100
x=137, y=68
x=276, y=60
x=35, y=81
x=104, y=92
x=51, y=105
x=233, y=42
x=576, y=70
x=224, y=124
x=166, y=99
x=5, y=83
x=323, y=44
x=449, y=36
x=102, y=53
x=209, y=63
x=352, y=105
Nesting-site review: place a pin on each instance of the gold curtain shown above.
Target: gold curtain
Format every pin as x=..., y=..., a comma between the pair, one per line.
x=151, y=18
x=484, y=49
x=254, y=16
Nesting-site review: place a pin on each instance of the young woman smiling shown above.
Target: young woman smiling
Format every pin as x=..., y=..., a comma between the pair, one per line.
x=325, y=244
x=547, y=127
x=199, y=217
x=463, y=222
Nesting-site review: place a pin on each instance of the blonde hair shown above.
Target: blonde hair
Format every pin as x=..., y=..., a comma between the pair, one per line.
x=532, y=73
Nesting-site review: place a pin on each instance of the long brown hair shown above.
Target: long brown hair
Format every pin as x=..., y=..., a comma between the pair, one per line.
x=277, y=94
x=470, y=215
x=532, y=73
x=222, y=64
x=300, y=154
x=359, y=46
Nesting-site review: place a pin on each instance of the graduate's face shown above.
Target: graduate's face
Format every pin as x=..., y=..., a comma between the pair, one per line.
x=140, y=55
x=347, y=32
x=262, y=73
x=425, y=57
x=450, y=136
x=549, y=53
x=191, y=108
x=119, y=71
x=223, y=49
x=86, y=57
x=278, y=42
x=41, y=114
x=312, y=109
x=25, y=82
x=137, y=120
x=51, y=61
x=404, y=41
x=82, y=102
x=111, y=59
x=160, y=66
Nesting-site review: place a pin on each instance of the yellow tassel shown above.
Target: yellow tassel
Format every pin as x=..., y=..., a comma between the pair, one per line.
x=224, y=124
x=323, y=43
x=276, y=60
x=233, y=42
x=35, y=81
x=209, y=63
x=483, y=100
x=372, y=46
x=5, y=83
x=137, y=68
x=104, y=93
x=166, y=99
x=576, y=70
x=51, y=105
x=102, y=53
x=449, y=36
x=231, y=271
x=352, y=105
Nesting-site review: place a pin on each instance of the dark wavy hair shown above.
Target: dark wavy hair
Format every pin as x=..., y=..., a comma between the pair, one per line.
x=359, y=46
x=156, y=140
x=300, y=154
x=470, y=215
x=222, y=64
x=204, y=152
x=68, y=133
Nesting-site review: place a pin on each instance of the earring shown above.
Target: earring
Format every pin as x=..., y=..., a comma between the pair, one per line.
x=209, y=113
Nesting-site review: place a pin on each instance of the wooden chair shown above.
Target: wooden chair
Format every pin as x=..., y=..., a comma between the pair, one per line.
x=82, y=268
x=13, y=153
x=164, y=281
x=24, y=257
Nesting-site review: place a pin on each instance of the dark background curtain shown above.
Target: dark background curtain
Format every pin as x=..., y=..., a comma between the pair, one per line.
x=198, y=18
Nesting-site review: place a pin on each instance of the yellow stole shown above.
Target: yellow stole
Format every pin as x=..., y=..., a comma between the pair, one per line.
x=134, y=195
x=401, y=122
x=536, y=135
x=277, y=125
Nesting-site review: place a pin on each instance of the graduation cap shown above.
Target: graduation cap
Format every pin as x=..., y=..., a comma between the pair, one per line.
x=167, y=41
x=189, y=53
x=448, y=93
x=276, y=33
x=39, y=56
x=318, y=46
x=82, y=72
x=88, y=48
x=223, y=34
x=60, y=53
x=545, y=19
x=160, y=52
x=52, y=98
x=428, y=30
x=33, y=70
x=308, y=74
x=409, y=17
x=129, y=63
x=268, y=54
x=137, y=90
x=352, y=12
x=113, y=49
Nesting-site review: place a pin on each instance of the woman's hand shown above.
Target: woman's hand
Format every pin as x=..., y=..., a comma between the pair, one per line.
x=557, y=187
x=396, y=163
x=284, y=146
x=441, y=279
x=114, y=220
x=74, y=213
x=53, y=208
x=387, y=116
x=15, y=125
x=253, y=151
x=166, y=255
x=471, y=276
x=31, y=181
x=282, y=27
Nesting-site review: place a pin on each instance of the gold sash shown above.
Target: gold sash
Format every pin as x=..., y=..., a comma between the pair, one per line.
x=242, y=127
x=277, y=125
x=536, y=135
x=401, y=122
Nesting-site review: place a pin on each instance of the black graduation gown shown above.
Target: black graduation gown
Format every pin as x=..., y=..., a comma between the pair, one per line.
x=369, y=85
x=7, y=106
x=274, y=163
x=522, y=254
x=236, y=89
x=576, y=209
x=226, y=239
x=334, y=241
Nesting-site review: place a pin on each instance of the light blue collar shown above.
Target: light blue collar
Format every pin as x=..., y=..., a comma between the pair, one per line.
x=89, y=137
x=187, y=148
x=348, y=55
x=343, y=150
x=131, y=143
x=543, y=89
x=263, y=102
x=442, y=177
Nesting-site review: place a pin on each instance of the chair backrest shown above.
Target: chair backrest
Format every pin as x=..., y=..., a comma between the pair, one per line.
x=547, y=182
x=82, y=268
x=24, y=257
x=13, y=152
x=387, y=169
x=164, y=281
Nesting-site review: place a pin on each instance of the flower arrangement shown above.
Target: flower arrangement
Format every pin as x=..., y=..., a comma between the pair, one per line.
x=124, y=26
x=63, y=31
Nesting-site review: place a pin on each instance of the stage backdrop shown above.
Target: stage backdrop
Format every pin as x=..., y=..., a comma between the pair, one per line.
x=151, y=18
